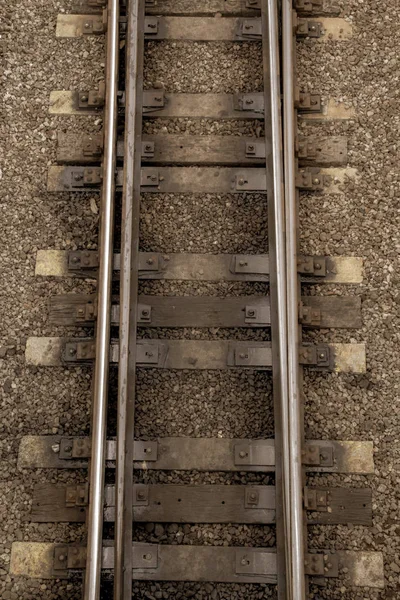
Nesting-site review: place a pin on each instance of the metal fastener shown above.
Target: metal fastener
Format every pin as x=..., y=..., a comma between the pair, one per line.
x=242, y=454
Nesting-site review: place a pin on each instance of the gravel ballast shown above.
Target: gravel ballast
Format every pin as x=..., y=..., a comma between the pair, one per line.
x=364, y=221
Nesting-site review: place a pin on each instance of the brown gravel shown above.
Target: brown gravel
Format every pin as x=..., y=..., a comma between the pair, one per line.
x=363, y=72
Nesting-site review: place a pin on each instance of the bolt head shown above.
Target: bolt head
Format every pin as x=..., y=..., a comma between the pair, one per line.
x=242, y=454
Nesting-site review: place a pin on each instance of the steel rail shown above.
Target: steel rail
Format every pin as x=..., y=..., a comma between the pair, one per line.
x=278, y=291
x=296, y=558
x=101, y=370
x=129, y=282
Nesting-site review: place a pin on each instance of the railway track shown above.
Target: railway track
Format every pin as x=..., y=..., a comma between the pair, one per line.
x=260, y=324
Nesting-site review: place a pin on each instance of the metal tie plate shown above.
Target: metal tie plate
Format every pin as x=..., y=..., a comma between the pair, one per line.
x=250, y=264
x=144, y=313
x=256, y=315
x=149, y=262
x=153, y=100
x=151, y=25
x=83, y=259
x=250, y=29
x=148, y=149
x=147, y=353
x=255, y=149
x=254, y=180
x=145, y=556
x=254, y=454
x=311, y=265
x=252, y=356
x=144, y=451
x=318, y=456
x=250, y=561
x=249, y=102
x=150, y=178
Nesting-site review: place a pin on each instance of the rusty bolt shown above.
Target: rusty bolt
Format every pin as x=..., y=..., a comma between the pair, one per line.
x=75, y=260
x=141, y=495
x=68, y=448
x=250, y=313
x=249, y=101
x=145, y=313
x=148, y=147
x=317, y=267
x=322, y=355
x=250, y=147
x=313, y=102
x=242, y=454
x=158, y=98
x=147, y=556
x=253, y=496
x=313, y=28
x=84, y=98
x=243, y=355
x=81, y=311
x=78, y=177
x=243, y=263
x=306, y=267
x=150, y=261
x=62, y=557
x=153, y=178
x=148, y=450
x=72, y=351
x=241, y=181
x=316, y=181
x=87, y=25
x=89, y=179
x=245, y=561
